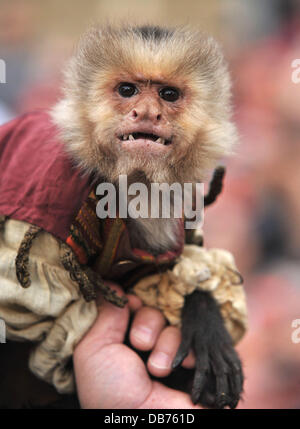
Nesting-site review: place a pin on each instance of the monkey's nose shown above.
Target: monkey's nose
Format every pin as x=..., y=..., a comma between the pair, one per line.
x=151, y=114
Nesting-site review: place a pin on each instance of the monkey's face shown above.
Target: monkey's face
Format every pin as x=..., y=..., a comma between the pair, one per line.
x=152, y=122
x=147, y=100
x=148, y=111
x=144, y=133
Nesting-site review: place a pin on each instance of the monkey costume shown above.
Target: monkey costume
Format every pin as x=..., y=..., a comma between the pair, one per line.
x=53, y=245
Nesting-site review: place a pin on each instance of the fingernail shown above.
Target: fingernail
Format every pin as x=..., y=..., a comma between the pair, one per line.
x=161, y=360
x=143, y=334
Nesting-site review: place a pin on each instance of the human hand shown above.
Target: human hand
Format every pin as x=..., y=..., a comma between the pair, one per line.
x=110, y=375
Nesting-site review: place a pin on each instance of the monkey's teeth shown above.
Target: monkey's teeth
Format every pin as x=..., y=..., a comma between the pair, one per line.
x=131, y=137
x=125, y=137
x=160, y=140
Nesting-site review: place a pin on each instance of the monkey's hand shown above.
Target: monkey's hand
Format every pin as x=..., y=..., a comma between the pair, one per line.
x=218, y=378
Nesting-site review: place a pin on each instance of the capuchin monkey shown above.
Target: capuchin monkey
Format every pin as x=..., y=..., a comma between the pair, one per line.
x=154, y=104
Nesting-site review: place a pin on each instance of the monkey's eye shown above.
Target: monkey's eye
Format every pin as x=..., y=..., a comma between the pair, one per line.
x=169, y=94
x=127, y=89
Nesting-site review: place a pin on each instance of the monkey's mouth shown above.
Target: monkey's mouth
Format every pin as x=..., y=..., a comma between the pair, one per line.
x=145, y=136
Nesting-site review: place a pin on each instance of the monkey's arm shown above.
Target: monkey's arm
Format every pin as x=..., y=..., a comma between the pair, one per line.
x=218, y=379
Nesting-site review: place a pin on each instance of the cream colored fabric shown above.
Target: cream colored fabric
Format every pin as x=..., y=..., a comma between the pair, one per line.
x=51, y=312
x=212, y=270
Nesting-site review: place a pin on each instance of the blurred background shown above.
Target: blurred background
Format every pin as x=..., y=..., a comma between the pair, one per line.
x=257, y=216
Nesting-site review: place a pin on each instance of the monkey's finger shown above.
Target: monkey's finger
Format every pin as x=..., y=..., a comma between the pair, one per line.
x=221, y=370
x=200, y=377
x=183, y=350
x=236, y=379
x=232, y=358
x=146, y=328
x=222, y=397
x=162, y=356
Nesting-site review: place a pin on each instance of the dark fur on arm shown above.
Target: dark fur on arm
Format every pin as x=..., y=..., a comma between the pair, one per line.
x=215, y=186
x=218, y=378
